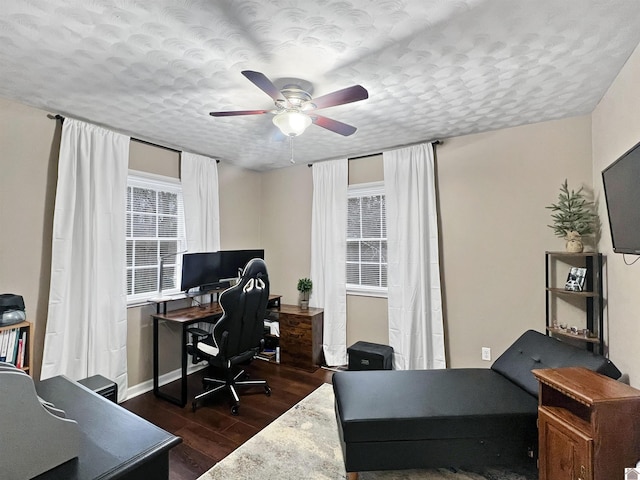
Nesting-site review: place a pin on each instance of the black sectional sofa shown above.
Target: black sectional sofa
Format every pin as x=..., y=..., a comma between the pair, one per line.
x=394, y=420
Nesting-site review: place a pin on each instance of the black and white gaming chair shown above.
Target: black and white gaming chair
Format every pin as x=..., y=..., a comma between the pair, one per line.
x=238, y=336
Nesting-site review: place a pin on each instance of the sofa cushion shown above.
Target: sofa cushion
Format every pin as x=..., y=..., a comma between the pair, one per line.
x=430, y=404
x=533, y=350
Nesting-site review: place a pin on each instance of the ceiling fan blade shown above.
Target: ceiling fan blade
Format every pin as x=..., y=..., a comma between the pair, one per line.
x=264, y=84
x=238, y=112
x=339, y=97
x=333, y=125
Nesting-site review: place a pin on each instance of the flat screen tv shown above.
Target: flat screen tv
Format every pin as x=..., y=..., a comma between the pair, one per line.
x=621, y=182
x=200, y=270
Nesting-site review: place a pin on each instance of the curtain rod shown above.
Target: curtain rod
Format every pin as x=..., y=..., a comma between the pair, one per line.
x=155, y=145
x=433, y=142
x=61, y=118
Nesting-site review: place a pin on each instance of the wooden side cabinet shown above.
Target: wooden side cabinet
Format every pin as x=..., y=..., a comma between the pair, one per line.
x=300, y=336
x=588, y=425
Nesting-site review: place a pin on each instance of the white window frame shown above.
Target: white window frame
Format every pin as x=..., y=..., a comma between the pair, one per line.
x=365, y=190
x=166, y=184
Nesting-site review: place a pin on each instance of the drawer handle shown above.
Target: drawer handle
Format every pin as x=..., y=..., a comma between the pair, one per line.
x=583, y=472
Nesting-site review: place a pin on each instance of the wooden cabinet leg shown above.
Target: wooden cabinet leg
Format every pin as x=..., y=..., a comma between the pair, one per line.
x=352, y=475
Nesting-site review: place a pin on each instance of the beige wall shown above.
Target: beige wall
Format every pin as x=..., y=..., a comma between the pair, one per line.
x=286, y=228
x=366, y=170
x=151, y=159
x=29, y=144
x=240, y=208
x=367, y=320
x=493, y=189
x=616, y=128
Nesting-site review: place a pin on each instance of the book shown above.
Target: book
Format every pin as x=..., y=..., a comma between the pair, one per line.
x=575, y=279
x=15, y=348
x=11, y=357
x=19, y=355
x=24, y=348
x=4, y=339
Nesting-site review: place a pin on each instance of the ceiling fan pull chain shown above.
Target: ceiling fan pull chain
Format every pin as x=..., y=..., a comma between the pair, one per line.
x=291, y=147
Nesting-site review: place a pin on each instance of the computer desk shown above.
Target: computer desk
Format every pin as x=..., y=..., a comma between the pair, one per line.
x=209, y=312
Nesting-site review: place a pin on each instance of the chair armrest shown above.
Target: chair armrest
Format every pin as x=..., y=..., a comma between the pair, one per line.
x=198, y=332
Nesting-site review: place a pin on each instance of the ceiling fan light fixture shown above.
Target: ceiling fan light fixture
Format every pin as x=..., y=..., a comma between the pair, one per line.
x=292, y=122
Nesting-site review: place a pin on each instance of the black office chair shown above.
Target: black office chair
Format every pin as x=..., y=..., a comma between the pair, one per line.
x=237, y=337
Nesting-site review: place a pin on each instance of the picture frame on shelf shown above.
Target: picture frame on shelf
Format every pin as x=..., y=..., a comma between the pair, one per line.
x=575, y=279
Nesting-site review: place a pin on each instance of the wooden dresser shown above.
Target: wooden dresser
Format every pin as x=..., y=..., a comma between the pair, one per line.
x=588, y=425
x=300, y=336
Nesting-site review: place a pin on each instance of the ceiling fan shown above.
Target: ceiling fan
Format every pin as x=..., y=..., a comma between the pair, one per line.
x=296, y=109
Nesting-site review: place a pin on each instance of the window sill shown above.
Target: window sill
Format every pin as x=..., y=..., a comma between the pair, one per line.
x=366, y=293
x=138, y=303
x=167, y=296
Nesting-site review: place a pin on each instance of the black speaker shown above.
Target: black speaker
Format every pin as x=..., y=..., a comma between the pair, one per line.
x=370, y=356
x=102, y=386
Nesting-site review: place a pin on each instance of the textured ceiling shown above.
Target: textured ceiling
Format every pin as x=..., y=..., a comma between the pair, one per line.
x=434, y=69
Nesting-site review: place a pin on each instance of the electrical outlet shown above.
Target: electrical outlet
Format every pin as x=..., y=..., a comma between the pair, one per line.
x=486, y=354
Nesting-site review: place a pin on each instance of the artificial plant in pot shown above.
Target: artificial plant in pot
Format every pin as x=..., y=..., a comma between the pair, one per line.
x=573, y=217
x=304, y=287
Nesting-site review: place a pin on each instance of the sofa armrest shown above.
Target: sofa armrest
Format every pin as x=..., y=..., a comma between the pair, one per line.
x=535, y=350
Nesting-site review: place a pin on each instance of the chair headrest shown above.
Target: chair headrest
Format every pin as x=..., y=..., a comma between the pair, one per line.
x=256, y=267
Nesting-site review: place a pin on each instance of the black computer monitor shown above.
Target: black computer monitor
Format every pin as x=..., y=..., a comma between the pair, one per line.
x=234, y=261
x=200, y=270
x=207, y=270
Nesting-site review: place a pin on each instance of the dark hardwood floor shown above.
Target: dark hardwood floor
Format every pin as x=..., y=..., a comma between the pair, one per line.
x=211, y=432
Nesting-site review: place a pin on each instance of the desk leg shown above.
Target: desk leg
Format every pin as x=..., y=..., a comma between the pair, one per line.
x=182, y=401
x=155, y=357
x=183, y=386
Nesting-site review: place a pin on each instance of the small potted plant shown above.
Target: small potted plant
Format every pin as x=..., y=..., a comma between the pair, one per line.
x=304, y=287
x=573, y=217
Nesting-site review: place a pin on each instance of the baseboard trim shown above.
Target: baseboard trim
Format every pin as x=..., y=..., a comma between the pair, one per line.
x=169, y=377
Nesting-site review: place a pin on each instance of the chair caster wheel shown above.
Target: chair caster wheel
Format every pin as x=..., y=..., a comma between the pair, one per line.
x=267, y=391
x=235, y=410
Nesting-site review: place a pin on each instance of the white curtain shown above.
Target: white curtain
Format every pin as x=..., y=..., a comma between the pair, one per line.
x=86, y=332
x=328, y=255
x=416, y=330
x=199, y=178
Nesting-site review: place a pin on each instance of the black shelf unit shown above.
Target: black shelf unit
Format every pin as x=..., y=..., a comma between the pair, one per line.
x=592, y=295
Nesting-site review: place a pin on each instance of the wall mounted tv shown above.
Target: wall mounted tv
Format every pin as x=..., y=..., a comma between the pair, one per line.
x=621, y=182
x=208, y=270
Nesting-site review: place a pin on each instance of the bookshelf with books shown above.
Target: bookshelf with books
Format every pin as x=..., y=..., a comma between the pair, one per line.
x=16, y=346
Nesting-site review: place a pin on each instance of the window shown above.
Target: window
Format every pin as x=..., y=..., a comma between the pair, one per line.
x=155, y=230
x=367, y=240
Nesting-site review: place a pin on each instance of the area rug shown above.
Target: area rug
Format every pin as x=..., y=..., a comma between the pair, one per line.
x=303, y=443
